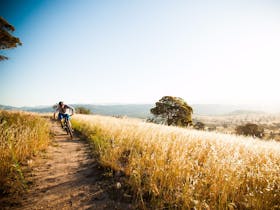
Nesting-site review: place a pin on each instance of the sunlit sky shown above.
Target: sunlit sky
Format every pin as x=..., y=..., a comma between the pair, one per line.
x=213, y=52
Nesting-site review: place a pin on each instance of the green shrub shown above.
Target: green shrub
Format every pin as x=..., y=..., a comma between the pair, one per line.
x=82, y=110
x=250, y=129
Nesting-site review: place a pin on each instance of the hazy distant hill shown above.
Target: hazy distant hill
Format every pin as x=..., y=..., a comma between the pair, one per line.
x=130, y=110
x=143, y=110
x=7, y=107
x=218, y=109
x=40, y=109
x=245, y=112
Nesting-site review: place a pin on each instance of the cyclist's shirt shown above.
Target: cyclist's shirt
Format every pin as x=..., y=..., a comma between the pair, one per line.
x=63, y=109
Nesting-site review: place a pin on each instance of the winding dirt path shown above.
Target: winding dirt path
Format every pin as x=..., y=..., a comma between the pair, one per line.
x=68, y=177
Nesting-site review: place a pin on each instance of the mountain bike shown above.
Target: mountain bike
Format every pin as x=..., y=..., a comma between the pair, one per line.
x=68, y=127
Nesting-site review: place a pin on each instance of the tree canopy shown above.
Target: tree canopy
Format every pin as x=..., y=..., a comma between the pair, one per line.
x=7, y=41
x=250, y=129
x=173, y=111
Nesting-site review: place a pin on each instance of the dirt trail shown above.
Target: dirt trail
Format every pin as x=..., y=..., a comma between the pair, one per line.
x=68, y=177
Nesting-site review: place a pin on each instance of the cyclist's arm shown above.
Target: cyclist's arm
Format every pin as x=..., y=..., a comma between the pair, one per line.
x=72, y=109
x=55, y=113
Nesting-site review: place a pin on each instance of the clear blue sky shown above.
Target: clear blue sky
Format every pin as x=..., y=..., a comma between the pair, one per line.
x=90, y=51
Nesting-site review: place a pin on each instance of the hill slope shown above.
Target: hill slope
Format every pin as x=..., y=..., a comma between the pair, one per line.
x=187, y=168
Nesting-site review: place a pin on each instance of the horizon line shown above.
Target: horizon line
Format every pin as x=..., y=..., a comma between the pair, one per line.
x=128, y=103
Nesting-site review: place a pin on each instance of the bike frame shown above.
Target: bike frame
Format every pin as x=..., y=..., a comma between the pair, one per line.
x=68, y=127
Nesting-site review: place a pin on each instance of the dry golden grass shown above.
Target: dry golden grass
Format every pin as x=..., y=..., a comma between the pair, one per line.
x=177, y=168
x=21, y=136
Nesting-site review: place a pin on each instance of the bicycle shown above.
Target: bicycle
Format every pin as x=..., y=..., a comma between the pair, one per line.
x=68, y=127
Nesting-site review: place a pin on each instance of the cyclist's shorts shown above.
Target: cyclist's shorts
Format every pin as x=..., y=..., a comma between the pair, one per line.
x=61, y=116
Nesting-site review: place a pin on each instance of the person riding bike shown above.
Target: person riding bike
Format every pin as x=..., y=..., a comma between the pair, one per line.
x=62, y=109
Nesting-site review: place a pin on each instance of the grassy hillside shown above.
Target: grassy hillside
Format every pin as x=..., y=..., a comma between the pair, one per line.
x=180, y=168
x=21, y=136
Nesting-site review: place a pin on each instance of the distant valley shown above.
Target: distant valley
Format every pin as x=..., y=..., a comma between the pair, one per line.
x=143, y=110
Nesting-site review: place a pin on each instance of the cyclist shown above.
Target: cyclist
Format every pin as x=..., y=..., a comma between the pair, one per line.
x=62, y=112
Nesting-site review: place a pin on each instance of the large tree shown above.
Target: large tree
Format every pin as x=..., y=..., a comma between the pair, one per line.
x=7, y=40
x=172, y=111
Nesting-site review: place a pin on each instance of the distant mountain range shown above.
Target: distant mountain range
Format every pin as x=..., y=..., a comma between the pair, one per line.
x=130, y=110
x=143, y=110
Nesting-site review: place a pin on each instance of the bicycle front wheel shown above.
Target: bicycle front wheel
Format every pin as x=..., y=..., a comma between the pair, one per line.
x=69, y=129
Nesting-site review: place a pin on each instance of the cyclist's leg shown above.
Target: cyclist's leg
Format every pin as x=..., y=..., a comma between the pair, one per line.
x=60, y=118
